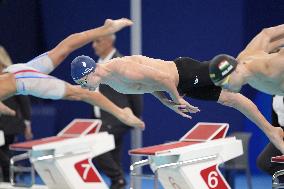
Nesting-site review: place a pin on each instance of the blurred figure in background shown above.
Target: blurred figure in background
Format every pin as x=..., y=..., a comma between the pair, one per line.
x=264, y=159
x=13, y=125
x=110, y=162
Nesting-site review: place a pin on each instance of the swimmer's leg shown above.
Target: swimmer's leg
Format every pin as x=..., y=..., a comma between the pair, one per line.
x=7, y=89
x=42, y=63
x=97, y=99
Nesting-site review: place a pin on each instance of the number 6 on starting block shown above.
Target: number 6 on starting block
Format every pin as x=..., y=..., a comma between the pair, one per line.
x=213, y=178
x=192, y=162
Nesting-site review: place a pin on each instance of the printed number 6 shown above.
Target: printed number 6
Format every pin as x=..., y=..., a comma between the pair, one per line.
x=212, y=179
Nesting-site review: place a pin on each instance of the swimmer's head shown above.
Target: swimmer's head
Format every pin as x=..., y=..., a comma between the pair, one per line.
x=82, y=69
x=220, y=69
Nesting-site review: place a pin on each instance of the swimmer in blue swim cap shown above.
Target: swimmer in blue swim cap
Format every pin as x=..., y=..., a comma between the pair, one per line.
x=185, y=76
x=82, y=68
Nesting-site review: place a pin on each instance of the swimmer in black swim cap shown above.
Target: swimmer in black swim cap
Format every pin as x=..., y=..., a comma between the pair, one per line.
x=220, y=68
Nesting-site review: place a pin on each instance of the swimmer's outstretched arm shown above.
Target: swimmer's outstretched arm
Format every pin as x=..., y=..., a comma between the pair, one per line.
x=250, y=110
x=267, y=40
x=77, y=40
x=125, y=115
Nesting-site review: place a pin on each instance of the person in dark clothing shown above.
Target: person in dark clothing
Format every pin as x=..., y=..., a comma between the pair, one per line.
x=110, y=162
x=264, y=159
x=13, y=125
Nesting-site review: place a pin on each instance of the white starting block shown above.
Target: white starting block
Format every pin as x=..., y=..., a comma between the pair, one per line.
x=2, y=138
x=192, y=162
x=275, y=182
x=64, y=161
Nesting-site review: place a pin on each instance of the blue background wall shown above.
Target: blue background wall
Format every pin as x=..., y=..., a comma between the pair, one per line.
x=199, y=29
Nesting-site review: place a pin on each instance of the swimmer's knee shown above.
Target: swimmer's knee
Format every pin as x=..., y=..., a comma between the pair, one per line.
x=7, y=77
x=8, y=83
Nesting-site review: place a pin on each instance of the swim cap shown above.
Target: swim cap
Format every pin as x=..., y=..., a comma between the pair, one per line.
x=221, y=66
x=82, y=66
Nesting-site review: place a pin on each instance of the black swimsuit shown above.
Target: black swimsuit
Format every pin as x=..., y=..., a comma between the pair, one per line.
x=194, y=80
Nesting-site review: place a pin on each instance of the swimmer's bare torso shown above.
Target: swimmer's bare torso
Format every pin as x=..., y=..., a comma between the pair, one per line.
x=126, y=76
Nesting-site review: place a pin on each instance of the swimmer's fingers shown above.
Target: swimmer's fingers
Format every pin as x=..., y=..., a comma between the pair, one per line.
x=184, y=108
x=181, y=110
x=191, y=109
x=184, y=115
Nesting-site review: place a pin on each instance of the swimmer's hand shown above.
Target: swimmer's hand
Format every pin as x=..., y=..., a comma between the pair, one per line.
x=276, y=136
x=128, y=118
x=115, y=25
x=188, y=107
x=6, y=110
x=182, y=108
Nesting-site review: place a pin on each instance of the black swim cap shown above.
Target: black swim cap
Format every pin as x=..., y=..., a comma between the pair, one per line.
x=221, y=66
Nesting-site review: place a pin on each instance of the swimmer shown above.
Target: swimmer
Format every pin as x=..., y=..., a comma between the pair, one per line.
x=32, y=77
x=184, y=76
x=260, y=64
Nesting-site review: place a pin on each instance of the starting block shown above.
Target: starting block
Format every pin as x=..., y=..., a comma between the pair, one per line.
x=275, y=182
x=192, y=162
x=64, y=161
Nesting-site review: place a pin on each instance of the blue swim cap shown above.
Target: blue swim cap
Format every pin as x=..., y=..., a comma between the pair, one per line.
x=82, y=66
